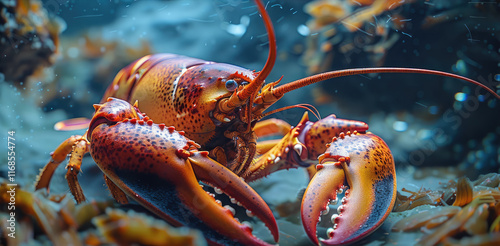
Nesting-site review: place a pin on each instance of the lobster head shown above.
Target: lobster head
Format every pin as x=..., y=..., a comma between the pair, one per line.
x=205, y=99
x=183, y=92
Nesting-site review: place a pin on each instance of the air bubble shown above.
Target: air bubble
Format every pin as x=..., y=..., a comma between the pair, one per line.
x=460, y=96
x=433, y=110
x=303, y=30
x=400, y=126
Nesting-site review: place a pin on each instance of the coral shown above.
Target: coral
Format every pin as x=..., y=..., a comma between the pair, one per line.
x=129, y=228
x=57, y=216
x=62, y=222
x=474, y=212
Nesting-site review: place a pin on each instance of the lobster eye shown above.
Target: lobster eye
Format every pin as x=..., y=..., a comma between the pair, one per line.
x=231, y=85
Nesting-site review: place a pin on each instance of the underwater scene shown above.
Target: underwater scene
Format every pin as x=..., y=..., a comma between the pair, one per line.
x=189, y=122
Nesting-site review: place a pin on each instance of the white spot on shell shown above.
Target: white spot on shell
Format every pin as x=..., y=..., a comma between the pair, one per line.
x=230, y=209
x=339, y=209
x=334, y=201
x=326, y=211
x=298, y=149
x=249, y=213
x=329, y=232
x=344, y=200
x=248, y=224
x=217, y=190
x=334, y=216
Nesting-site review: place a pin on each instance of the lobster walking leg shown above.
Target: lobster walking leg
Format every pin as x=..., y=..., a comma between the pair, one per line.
x=73, y=167
x=265, y=146
x=115, y=191
x=271, y=127
x=77, y=146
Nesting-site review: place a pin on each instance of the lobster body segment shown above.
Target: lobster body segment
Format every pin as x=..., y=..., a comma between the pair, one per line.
x=178, y=91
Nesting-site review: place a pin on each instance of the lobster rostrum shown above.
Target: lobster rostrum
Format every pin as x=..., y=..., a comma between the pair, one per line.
x=169, y=124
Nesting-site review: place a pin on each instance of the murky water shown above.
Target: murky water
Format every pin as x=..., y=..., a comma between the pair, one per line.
x=438, y=128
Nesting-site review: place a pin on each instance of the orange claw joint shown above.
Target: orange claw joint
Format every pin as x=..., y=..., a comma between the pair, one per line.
x=361, y=163
x=113, y=111
x=161, y=169
x=241, y=96
x=302, y=145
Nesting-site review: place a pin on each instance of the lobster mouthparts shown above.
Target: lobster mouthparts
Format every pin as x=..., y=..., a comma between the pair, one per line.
x=364, y=163
x=161, y=169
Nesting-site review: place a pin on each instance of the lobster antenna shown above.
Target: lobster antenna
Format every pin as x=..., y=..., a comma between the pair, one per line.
x=281, y=90
x=249, y=91
x=306, y=106
x=252, y=89
x=256, y=84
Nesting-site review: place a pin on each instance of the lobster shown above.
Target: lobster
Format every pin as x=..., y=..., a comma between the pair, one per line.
x=198, y=124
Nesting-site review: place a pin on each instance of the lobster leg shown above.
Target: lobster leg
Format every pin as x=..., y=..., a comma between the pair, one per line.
x=58, y=156
x=117, y=194
x=77, y=146
x=271, y=127
x=73, y=167
x=265, y=146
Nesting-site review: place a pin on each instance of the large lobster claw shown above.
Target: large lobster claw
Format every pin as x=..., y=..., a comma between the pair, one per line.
x=160, y=168
x=355, y=159
x=363, y=162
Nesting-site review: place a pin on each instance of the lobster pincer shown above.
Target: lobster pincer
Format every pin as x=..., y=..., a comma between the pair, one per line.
x=354, y=160
x=160, y=168
x=362, y=164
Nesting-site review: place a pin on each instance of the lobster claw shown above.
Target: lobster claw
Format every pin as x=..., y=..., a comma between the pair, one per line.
x=214, y=174
x=363, y=162
x=161, y=170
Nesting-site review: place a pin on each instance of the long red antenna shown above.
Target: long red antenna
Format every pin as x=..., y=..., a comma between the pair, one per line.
x=281, y=90
x=250, y=90
x=256, y=84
